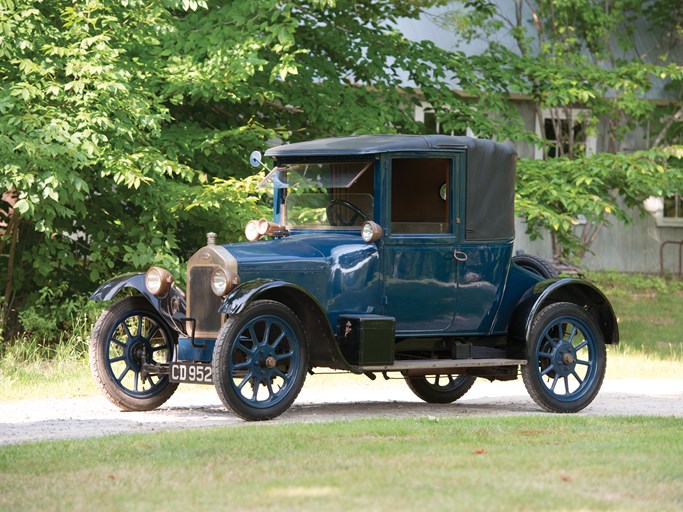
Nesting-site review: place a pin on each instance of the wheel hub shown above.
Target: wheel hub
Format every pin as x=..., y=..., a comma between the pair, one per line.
x=564, y=359
x=135, y=352
x=264, y=362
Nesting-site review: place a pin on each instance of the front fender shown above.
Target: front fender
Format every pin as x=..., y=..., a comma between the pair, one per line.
x=577, y=291
x=171, y=306
x=241, y=296
x=323, y=348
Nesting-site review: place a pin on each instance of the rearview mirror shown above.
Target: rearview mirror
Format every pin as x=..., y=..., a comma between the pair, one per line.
x=255, y=159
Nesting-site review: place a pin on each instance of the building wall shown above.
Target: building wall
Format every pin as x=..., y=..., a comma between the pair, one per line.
x=636, y=247
x=627, y=248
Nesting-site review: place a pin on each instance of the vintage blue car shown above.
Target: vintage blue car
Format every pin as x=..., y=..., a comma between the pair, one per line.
x=386, y=254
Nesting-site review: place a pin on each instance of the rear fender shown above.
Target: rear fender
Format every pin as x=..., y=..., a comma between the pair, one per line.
x=576, y=291
x=171, y=306
x=322, y=346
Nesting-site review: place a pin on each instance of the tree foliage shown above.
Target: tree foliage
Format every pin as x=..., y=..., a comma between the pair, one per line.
x=574, y=199
x=125, y=125
x=589, y=57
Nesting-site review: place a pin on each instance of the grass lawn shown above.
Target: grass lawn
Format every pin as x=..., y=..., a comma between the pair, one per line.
x=505, y=463
x=650, y=313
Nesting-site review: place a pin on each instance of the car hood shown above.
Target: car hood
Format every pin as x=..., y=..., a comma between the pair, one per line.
x=310, y=250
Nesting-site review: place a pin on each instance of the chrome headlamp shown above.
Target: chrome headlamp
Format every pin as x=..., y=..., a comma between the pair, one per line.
x=251, y=231
x=223, y=281
x=158, y=281
x=370, y=231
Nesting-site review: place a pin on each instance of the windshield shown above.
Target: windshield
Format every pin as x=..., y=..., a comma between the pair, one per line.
x=334, y=194
x=327, y=209
x=316, y=175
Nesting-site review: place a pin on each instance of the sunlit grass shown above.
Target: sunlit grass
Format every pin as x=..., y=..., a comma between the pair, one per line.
x=502, y=463
x=631, y=364
x=650, y=313
x=55, y=378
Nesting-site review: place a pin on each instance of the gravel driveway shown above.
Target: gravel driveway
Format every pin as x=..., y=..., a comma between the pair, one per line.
x=324, y=398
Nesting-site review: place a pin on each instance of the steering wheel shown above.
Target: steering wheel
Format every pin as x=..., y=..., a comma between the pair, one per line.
x=335, y=213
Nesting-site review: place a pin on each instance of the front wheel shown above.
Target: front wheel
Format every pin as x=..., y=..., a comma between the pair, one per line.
x=128, y=335
x=440, y=389
x=260, y=361
x=566, y=358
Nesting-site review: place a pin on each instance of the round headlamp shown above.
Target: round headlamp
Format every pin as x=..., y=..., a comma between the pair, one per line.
x=158, y=281
x=370, y=231
x=223, y=281
x=251, y=231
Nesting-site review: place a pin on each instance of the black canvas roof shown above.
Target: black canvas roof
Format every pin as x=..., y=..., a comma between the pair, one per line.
x=490, y=172
x=369, y=144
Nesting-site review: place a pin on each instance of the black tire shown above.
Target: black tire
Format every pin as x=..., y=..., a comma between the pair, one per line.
x=260, y=361
x=126, y=332
x=434, y=390
x=536, y=265
x=566, y=358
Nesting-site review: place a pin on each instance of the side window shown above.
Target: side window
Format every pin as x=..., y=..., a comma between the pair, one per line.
x=420, y=195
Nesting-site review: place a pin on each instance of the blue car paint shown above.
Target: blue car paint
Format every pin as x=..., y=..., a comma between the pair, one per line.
x=345, y=275
x=340, y=271
x=516, y=287
x=199, y=349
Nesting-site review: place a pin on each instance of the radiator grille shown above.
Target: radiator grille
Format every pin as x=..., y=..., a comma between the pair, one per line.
x=203, y=303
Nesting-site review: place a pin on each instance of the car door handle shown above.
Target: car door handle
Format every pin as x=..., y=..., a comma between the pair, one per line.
x=459, y=255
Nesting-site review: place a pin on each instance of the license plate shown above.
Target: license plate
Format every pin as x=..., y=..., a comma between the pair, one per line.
x=191, y=372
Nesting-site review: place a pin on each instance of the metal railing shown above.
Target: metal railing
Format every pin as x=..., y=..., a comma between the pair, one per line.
x=680, y=255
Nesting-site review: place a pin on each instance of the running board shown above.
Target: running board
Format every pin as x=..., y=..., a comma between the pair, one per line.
x=441, y=364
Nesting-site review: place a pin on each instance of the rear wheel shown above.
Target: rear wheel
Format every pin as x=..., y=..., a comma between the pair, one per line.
x=260, y=361
x=566, y=358
x=127, y=335
x=440, y=389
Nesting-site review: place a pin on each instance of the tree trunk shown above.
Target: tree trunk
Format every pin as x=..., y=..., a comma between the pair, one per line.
x=13, y=230
x=556, y=247
x=670, y=122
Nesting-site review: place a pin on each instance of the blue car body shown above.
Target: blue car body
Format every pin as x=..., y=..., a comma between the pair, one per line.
x=438, y=283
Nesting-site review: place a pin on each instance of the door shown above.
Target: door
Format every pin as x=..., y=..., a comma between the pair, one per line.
x=420, y=270
x=482, y=272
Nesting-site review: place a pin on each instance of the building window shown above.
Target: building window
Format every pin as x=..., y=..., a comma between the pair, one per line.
x=563, y=127
x=560, y=145
x=667, y=211
x=425, y=114
x=673, y=207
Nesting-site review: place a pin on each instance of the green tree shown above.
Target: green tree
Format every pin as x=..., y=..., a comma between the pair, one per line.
x=125, y=125
x=89, y=144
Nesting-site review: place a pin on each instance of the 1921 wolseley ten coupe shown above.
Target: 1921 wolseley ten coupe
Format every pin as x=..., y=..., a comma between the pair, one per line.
x=386, y=254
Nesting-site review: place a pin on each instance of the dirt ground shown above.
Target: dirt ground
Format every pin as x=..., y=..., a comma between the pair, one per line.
x=323, y=398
